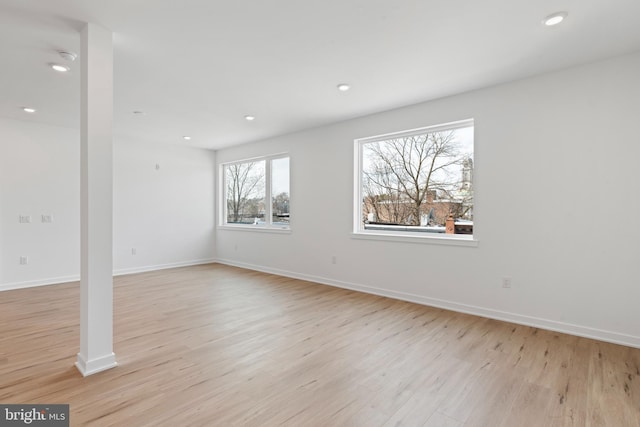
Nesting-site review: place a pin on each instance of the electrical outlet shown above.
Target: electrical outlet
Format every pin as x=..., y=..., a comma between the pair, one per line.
x=24, y=260
x=506, y=282
x=334, y=259
x=134, y=251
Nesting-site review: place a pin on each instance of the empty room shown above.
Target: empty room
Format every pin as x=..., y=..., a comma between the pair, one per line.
x=331, y=213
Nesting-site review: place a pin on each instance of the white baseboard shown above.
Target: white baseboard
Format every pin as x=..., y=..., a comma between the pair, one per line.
x=143, y=269
x=552, y=325
x=39, y=282
x=119, y=272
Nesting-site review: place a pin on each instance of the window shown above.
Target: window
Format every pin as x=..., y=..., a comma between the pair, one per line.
x=256, y=192
x=416, y=183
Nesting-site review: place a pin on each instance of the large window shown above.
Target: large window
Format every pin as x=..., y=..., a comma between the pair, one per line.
x=416, y=183
x=256, y=192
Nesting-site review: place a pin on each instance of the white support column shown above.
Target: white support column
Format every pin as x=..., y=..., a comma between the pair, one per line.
x=96, y=200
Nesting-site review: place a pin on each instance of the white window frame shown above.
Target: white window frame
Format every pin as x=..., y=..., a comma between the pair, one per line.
x=359, y=231
x=268, y=226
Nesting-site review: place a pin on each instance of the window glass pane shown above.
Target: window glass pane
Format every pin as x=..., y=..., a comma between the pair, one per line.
x=245, y=192
x=280, y=191
x=418, y=182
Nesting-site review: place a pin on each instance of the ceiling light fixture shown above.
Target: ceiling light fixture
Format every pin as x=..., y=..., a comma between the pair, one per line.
x=554, y=19
x=67, y=56
x=61, y=68
x=28, y=110
x=343, y=87
x=249, y=118
x=186, y=138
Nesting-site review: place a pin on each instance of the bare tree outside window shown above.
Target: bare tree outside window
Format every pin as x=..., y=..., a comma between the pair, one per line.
x=245, y=191
x=418, y=179
x=281, y=207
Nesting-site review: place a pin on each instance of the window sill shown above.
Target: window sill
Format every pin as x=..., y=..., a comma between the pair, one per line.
x=259, y=229
x=451, y=240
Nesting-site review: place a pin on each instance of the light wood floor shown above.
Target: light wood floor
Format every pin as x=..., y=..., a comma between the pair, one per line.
x=215, y=345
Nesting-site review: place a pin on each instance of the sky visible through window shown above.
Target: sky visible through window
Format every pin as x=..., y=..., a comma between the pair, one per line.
x=280, y=176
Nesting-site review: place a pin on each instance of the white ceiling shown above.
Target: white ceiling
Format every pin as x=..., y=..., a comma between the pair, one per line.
x=197, y=67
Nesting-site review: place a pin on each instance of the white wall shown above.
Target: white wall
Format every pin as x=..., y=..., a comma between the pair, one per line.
x=166, y=214
x=556, y=193
x=39, y=174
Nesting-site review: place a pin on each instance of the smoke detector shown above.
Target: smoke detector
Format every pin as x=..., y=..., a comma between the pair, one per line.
x=69, y=56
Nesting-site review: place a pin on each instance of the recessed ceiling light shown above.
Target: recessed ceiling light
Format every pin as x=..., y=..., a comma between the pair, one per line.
x=28, y=110
x=186, y=138
x=61, y=68
x=69, y=56
x=343, y=87
x=554, y=19
x=249, y=118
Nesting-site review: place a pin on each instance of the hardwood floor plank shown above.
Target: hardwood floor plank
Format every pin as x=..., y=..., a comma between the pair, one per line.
x=440, y=420
x=610, y=397
x=531, y=404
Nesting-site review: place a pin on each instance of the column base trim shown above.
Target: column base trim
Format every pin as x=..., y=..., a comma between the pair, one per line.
x=90, y=367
